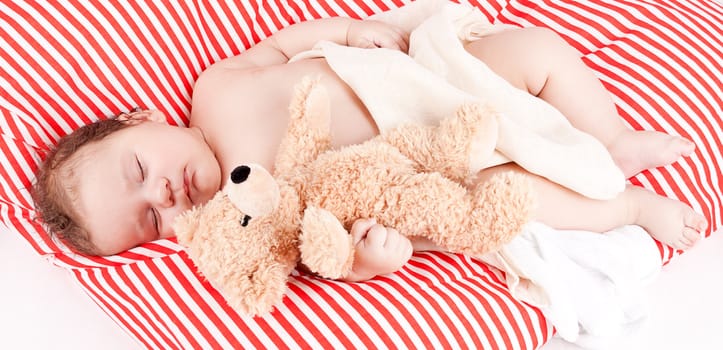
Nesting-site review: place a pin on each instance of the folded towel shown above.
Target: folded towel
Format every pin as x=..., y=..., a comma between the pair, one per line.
x=438, y=75
x=588, y=285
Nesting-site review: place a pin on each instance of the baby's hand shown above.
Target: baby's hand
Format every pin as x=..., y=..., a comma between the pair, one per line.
x=379, y=250
x=371, y=34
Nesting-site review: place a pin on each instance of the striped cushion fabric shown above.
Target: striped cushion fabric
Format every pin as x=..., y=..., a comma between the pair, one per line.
x=65, y=64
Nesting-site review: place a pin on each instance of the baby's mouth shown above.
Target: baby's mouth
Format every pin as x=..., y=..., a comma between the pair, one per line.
x=187, y=185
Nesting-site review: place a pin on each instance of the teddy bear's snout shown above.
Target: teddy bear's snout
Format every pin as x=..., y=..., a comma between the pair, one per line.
x=240, y=174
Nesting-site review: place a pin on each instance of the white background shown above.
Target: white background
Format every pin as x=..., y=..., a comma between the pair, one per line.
x=42, y=307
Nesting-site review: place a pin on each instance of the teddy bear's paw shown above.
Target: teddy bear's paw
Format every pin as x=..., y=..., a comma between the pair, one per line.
x=258, y=292
x=326, y=247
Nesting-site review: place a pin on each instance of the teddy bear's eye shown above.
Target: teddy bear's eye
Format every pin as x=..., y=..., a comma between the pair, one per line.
x=245, y=221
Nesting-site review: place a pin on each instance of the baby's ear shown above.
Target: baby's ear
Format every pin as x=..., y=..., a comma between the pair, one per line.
x=150, y=115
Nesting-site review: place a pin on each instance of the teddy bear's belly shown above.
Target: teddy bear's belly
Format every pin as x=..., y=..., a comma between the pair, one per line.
x=350, y=182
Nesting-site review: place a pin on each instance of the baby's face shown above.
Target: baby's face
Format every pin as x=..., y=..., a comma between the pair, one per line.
x=133, y=183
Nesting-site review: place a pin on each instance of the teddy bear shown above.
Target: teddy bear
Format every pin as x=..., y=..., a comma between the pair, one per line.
x=254, y=233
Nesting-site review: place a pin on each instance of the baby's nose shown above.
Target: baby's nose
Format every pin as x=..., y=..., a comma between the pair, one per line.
x=163, y=196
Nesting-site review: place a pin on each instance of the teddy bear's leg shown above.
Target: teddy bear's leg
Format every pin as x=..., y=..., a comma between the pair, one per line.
x=326, y=247
x=471, y=222
x=458, y=147
x=308, y=133
x=501, y=207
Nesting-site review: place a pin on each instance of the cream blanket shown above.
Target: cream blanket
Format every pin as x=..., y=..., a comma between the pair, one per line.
x=438, y=75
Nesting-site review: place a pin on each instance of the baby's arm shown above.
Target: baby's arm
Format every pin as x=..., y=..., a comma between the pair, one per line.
x=284, y=44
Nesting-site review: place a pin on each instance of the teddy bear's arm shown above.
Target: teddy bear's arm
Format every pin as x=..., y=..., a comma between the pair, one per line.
x=457, y=148
x=326, y=247
x=308, y=133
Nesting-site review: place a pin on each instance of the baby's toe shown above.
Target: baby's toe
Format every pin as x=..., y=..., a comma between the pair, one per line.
x=695, y=221
x=684, y=146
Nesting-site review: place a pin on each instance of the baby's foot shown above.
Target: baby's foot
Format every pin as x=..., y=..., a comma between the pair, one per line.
x=634, y=151
x=669, y=221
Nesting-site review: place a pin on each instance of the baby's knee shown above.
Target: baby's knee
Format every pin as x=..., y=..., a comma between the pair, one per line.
x=550, y=44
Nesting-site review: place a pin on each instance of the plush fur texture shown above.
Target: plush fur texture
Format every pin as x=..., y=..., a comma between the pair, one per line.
x=410, y=178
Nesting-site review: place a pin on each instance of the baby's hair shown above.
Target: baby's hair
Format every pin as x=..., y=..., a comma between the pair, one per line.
x=54, y=189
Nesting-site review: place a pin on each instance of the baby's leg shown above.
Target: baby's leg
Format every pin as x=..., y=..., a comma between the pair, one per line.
x=540, y=62
x=667, y=220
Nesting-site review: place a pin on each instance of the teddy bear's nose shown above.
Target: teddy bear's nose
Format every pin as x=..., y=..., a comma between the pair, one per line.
x=240, y=174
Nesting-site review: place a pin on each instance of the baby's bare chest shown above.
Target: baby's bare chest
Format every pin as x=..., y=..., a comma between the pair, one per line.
x=250, y=116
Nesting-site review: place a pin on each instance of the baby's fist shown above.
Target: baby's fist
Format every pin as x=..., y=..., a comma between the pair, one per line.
x=371, y=34
x=378, y=250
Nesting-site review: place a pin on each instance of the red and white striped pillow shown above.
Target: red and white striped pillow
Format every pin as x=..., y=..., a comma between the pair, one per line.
x=66, y=64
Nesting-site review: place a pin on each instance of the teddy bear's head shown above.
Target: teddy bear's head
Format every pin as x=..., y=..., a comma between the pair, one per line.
x=237, y=242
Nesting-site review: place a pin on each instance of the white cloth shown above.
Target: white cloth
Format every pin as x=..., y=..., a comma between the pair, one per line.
x=438, y=76
x=588, y=285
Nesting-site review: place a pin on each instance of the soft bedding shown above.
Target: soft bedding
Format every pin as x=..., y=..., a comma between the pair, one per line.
x=65, y=64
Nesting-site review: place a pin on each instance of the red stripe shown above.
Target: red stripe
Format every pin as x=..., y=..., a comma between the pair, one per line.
x=183, y=94
x=270, y=13
x=305, y=322
x=91, y=284
x=145, y=57
x=133, y=308
x=182, y=278
x=156, y=275
x=327, y=8
x=352, y=299
x=297, y=11
x=112, y=82
x=321, y=312
x=484, y=290
x=151, y=316
x=14, y=123
x=415, y=305
x=462, y=315
x=35, y=75
x=436, y=269
x=654, y=118
x=339, y=310
x=311, y=9
x=504, y=297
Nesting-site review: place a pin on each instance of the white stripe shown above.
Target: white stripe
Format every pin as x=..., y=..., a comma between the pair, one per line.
x=313, y=318
x=167, y=323
x=174, y=305
x=457, y=324
x=648, y=36
x=163, y=322
x=344, y=303
x=116, y=302
x=326, y=308
x=225, y=27
x=274, y=14
x=100, y=301
x=31, y=87
x=217, y=309
x=184, y=298
x=473, y=300
x=86, y=56
x=431, y=263
x=143, y=66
